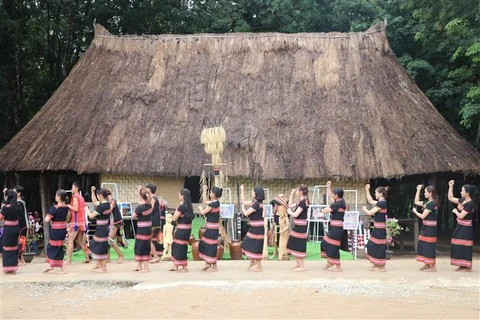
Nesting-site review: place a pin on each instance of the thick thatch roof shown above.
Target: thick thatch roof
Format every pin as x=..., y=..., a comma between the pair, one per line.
x=297, y=106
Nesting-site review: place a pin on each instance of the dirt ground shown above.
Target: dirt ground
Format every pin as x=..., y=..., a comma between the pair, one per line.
x=402, y=292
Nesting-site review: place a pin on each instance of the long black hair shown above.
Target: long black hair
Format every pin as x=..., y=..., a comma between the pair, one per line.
x=187, y=201
x=259, y=193
x=10, y=197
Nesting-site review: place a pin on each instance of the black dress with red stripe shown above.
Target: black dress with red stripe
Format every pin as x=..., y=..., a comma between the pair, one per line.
x=55, y=253
x=11, y=231
x=99, y=243
x=208, y=244
x=377, y=243
x=462, y=238
x=181, y=237
x=144, y=232
x=297, y=242
x=427, y=240
x=252, y=244
x=330, y=246
x=157, y=227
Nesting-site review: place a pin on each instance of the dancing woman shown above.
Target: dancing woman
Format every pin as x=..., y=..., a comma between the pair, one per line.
x=208, y=244
x=297, y=242
x=427, y=240
x=377, y=243
x=144, y=230
x=252, y=244
x=58, y=220
x=184, y=216
x=330, y=245
x=11, y=231
x=462, y=237
x=99, y=243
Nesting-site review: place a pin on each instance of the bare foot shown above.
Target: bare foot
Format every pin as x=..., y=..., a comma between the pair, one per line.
x=173, y=269
x=144, y=270
x=101, y=270
x=430, y=269
x=294, y=266
x=256, y=269
x=86, y=261
x=154, y=260
x=212, y=268
x=96, y=267
x=120, y=259
x=183, y=270
x=299, y=269
x=379, y=269
x=336, y=269
x=206, y=266
x=47, y=270
x=67, y=262
x=328, y=265
x=61, y=272
x=21, y=264
x=426, y=266
x=465, y=269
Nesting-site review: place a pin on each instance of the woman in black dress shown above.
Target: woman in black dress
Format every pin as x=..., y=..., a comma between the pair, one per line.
x=252, y=244
x=116, y=222
x=11, y=215
x=58, y=220
x=184, y=216
x=462, y=237
x=99, y=243
x=144, y=230
x=208, y=244
x=427, y=240
x=297, y=242
x=377, y=243
x=331, y=243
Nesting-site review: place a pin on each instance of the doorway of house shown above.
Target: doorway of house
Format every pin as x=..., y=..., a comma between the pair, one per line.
x=192, y=183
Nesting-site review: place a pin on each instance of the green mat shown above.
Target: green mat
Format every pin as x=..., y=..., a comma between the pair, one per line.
x=313, y=249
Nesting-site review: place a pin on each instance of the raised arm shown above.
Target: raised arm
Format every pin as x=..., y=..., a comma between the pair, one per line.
x=242, y=196
x=329, y=191
x=291, y=204
x=205, y=195
x=422, y=215
x=94, y=196
x=204, y=211
x=451, y=198
x=295, y=213
x=369, y=196
x=372, y=211
x=417, y=196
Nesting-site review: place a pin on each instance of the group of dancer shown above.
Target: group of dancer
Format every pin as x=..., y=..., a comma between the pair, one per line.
x=69, y=219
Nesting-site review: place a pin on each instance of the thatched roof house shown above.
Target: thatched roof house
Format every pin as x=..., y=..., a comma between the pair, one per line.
x=294, y=106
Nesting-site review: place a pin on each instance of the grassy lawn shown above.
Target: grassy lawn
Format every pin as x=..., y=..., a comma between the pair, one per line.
x=313, y=249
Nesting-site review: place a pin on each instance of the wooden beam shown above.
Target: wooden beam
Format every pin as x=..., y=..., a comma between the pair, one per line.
x=44, y=201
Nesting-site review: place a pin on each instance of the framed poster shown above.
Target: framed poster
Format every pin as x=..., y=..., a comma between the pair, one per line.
x=316, y=213
x=350, y=220
x=125, y=209
x=268, y=210
x=227, y=211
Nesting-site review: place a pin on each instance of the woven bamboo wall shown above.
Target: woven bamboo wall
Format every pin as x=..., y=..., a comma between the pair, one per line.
x=168, y=187
x=285, y=186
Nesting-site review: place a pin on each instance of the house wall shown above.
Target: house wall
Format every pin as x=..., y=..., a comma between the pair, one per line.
x=168, y=188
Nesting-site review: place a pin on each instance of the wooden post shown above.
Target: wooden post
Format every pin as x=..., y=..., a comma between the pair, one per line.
x=44, y=202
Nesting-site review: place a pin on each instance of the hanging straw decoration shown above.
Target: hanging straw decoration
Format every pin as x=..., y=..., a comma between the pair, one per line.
x=203, y=182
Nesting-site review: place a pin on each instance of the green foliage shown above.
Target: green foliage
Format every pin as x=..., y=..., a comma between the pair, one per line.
x=437, y=41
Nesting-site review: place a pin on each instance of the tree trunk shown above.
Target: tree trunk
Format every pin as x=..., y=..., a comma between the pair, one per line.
x=44, y=201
